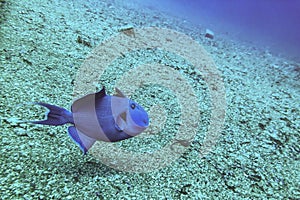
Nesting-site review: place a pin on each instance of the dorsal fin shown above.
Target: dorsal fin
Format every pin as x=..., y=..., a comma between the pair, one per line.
x=84, y=102
x=100, y=94
x=119, y=93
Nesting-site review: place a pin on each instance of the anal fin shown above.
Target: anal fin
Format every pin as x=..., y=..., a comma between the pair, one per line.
x=84, y=142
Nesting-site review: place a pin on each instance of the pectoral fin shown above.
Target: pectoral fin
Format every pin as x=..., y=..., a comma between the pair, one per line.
x=121, y=122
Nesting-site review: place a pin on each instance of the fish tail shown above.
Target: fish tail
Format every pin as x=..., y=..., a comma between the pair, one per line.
x=55, y=116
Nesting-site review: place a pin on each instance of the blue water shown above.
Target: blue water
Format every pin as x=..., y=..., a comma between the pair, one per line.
x=272, y=24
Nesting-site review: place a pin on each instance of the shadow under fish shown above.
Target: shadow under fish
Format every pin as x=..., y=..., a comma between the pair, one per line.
x=98, y=116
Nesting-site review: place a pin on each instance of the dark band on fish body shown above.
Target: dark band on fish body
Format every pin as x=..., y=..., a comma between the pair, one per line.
x=103, y=106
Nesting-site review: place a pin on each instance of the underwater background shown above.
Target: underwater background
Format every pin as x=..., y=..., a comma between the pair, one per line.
x=271, y=24
x=255, y=47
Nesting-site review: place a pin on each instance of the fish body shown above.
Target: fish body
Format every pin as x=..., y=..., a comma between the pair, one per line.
x=99, y=116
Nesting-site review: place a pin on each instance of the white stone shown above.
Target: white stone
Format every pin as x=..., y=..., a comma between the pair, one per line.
x=209, y=34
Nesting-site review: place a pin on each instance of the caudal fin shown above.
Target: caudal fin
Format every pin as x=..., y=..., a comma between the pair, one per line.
x=55, y=116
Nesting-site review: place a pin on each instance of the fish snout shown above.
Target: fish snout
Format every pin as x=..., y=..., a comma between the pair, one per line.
x=146, y=122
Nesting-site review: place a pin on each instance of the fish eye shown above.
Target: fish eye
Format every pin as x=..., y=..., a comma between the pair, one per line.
x=132, y=106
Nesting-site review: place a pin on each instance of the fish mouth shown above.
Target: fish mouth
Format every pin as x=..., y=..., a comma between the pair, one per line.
x=146, y=122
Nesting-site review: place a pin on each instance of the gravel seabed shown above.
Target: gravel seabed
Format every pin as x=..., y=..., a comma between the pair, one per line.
x=43, y=43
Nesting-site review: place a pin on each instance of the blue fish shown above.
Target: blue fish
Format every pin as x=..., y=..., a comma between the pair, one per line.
x=98, y=116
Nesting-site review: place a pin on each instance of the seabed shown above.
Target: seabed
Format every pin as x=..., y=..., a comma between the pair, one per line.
x=43, y=45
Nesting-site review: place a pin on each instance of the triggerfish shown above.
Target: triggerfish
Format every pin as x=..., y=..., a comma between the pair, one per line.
x=98, y=116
